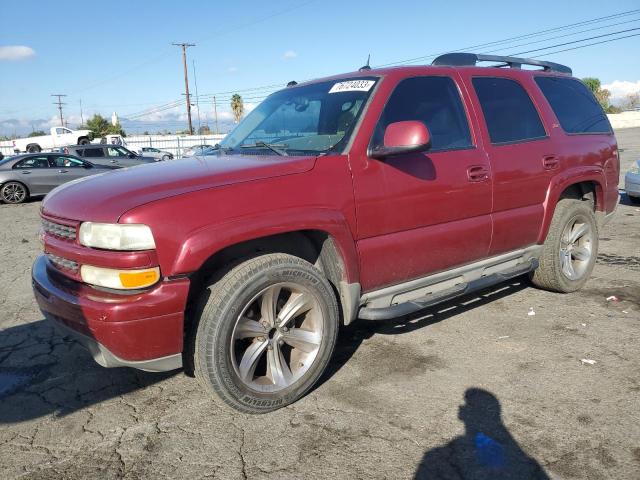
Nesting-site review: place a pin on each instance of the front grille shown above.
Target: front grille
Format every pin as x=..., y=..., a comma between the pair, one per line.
x=59, y=230
x=63, y=262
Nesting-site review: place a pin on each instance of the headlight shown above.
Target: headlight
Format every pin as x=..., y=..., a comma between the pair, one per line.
x=635, y=168
x=119, y=279
x=112, y=236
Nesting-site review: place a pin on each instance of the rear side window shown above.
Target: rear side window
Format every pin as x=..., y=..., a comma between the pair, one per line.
x=33, y=162
x=508, y=110
x=92, y=152
x=577, y=109
x=434, y=101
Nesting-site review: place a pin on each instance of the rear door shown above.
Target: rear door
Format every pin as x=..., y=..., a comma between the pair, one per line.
x=521, y=155
x=423, y=212
x=96, y=155
x=35, y=173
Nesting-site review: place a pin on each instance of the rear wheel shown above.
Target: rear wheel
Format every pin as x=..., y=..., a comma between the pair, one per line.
x=165, y=158
x=34, y=148
x=266, y=333
x=83, y=141
x=570, y=250
x=634, y=199
x=14, y=192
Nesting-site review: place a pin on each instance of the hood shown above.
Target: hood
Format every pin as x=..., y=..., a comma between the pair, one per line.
x=105, y=197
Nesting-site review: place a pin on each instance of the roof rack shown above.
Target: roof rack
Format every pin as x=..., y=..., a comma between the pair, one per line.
x=470, y=59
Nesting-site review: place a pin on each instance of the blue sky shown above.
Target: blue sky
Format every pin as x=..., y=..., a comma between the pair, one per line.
x=119, y=57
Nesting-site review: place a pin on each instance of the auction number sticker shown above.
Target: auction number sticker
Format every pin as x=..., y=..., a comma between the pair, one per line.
x=352, y=86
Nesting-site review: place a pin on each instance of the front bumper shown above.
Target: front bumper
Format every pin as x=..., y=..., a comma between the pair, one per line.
x=632, y=184
x=142, y=330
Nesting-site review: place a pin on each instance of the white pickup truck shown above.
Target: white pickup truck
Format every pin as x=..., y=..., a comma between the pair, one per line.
x=59, y=137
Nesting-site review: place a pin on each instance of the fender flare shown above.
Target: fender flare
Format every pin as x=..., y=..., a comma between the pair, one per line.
x=561, y=182
x=205, y=242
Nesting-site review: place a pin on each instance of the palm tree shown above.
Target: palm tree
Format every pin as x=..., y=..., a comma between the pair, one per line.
x=237, y=107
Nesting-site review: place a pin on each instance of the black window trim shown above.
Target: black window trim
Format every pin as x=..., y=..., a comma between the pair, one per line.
x=472, y=133
x=17, y=167
x=569, y=134
x=533, y=102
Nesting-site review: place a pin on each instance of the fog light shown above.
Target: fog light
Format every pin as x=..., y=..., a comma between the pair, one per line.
x=119, y=279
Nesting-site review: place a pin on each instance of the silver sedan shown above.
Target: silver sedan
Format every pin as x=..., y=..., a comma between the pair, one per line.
x=632, y=182
x=25, y=176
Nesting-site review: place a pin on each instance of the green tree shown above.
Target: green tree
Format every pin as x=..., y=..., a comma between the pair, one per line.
x=237, y=107
x=100, y=127
x=37, y=133
x=602, y=94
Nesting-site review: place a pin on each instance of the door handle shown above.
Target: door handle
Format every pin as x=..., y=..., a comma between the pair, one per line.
x=26, y=172
x=63, y=171
x=549, y=162
x=477, y=173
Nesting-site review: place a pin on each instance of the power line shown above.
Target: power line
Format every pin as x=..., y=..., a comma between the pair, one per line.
x=589, y=44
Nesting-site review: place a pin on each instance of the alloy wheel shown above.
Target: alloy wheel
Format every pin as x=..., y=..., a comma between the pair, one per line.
x=576, y=248
x=14, y=193
x=277, y=337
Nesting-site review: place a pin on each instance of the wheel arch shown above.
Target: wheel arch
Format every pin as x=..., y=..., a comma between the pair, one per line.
x=584, y=185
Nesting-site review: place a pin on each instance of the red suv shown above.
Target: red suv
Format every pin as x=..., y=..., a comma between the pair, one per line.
x=368, y=195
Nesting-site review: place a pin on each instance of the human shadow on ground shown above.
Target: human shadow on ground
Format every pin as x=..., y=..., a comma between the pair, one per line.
x=486, y=450
x=43, y=373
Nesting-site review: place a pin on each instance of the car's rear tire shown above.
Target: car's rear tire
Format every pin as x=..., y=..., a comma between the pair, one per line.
x=165, y=158
x=570, y=249
x=14, y=193
x=34, y=148
x=266, y=332
x=83, y=141
x=633, y=199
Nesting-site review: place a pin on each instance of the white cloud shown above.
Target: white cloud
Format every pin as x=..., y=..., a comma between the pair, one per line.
x=16, y=52
x=620, y=89
x=232, y=69
x=289, y=54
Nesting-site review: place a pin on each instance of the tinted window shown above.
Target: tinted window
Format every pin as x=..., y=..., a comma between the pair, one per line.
x=92, y=152
x=434, y=101
x=577, y=109
x=508, y=110
x=33, y=162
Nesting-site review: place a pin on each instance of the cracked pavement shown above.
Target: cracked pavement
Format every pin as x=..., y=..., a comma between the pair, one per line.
x=415, y=398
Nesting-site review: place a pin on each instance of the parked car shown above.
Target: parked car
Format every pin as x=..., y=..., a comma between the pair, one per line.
x=632, y=182
x=31, y=175
x=155, y=153
x=195, y=150
x=109, y=155
x=59, y=137
x=371, y=195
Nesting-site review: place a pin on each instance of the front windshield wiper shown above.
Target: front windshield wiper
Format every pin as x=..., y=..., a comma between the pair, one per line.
x=271, y=146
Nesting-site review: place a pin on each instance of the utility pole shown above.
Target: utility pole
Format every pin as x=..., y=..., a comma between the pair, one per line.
x=60, y=104
x=81, y=116
x=195, y=82
x=215, y=114
x=184, y=47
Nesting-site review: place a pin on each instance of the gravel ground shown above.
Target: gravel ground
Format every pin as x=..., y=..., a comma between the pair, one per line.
x=419, y=398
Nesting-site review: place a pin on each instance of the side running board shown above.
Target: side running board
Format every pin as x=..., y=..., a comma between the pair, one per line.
x=402, y=309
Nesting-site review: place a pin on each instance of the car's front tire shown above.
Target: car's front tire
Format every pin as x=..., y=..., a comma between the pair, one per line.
x=14, y=193
x=266, y=332
x=570, y=249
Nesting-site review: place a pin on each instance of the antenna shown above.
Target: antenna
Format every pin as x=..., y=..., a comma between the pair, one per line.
x=366, y=67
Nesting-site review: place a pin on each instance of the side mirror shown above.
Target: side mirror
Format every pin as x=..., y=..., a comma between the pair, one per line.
x=403, y=137
x=132, y=155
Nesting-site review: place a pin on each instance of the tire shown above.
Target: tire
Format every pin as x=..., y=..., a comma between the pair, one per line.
x=33, y=148
x=570, y=249
x=14, y=193
x=83, y=141
x=165, y=158
x=235, y=327
x=635, y=200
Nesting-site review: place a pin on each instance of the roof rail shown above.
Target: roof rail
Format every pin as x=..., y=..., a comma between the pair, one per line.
x=470, y=59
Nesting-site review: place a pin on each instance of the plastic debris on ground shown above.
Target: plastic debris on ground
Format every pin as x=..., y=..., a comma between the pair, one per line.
x=503, y=337
x=531, y=312
x=613, y=298
x=588, y=361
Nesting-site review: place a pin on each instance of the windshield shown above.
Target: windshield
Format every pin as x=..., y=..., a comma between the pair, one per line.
x=303, y=120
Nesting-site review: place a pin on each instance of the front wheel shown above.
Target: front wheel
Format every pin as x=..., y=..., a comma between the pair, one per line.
x=14, y=192
x=570, y=249
x=266, y=332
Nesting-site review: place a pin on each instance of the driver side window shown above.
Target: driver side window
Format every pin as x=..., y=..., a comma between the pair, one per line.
x=436, y=102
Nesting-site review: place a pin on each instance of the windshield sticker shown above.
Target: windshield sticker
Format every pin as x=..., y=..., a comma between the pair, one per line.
x=352, y=86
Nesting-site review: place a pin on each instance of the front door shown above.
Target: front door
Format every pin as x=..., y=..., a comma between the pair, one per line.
x=425, y=212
